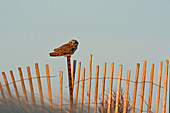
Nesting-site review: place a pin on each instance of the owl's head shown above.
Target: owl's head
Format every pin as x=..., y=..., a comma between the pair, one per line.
x=74, y=42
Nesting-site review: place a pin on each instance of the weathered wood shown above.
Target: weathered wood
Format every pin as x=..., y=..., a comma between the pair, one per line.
x=6, y=84
x=49, y=85
x=89, y=82
x=73, y=72
x=96, y=89
x=126, y=91
x=135, y=88
x=15, y=86
x=77, y=83
x=142, y=87
x=23, y=85
x=150, y=89
x=110, y=87
x=165, y=86
x=60, y=89
x=2, y=93
x=103, y=87
x=31, y=85
x=70, y=82
x=118, y=88
x=82, y=89
x=158, y=88
x=103, y=84
x=39, y=84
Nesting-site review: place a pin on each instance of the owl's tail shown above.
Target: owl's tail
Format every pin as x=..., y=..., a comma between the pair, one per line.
x=53, y=54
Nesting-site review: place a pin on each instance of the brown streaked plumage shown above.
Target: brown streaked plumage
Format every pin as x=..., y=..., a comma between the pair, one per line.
x=66, y=49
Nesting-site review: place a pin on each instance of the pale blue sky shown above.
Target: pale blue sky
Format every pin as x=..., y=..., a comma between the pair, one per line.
x=127, y=31
x=124, y=32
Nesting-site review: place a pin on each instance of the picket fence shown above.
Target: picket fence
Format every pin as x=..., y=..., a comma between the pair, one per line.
x=95, y=105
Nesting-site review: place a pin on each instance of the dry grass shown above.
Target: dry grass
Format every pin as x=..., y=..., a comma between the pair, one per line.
x=113, y=99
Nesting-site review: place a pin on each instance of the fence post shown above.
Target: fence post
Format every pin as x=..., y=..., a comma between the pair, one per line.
x=15, y=87
x=77, y=85
x=158, y=88
x=23, y=85
x=118, y=89
x=165, y=86
x=150, y=89
x=126, y=92
x=2, y=93
x=49, y=86
x=60, y=89
x=31, y=85
x=6, y=83
x=103, y=86
x=70, y=82
x=73, y=72
x=110, y=88
x=135, y=88
x=96, y=89
x=82, y=89
x=39, y=85
x=142, y=87
x=89, y=82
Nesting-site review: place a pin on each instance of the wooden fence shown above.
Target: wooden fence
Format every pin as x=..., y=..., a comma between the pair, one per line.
x=103, y=100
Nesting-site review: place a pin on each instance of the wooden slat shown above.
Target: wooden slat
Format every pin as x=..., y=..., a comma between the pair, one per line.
x=39, y=84
x=31, y=85
x=165, y=86
x=6, y=83
x=103, y=84
x=135, y=88
x=77, y=83
x=96, y=89
x=142, y=87
x=150, y=89
x=49, y=85
x=60, y=89
x=23, y=85
x=15, y=86
x=118, y=88
x=2, y=93
x=73, y=72
x=89, y=82
x=126, y=91
x=158, y=88
x=82, y=89
x=110, y=87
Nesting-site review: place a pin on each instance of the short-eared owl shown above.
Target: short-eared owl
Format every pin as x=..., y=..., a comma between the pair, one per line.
x=66, y=49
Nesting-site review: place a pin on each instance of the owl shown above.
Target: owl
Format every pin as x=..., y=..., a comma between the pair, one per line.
x=66, y=49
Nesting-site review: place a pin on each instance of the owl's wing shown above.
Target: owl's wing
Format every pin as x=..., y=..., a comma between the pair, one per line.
x=64, y=49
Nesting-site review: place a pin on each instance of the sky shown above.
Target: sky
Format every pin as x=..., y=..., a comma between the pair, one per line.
x=123, y=32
